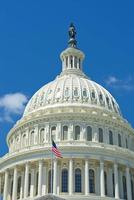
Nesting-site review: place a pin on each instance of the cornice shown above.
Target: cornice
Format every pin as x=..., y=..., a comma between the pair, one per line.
x=85, y=150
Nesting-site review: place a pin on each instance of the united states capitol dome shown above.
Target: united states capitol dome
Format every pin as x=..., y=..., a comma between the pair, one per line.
x=82, y=120
x=72, y=88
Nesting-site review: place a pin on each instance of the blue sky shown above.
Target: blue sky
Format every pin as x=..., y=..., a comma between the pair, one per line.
x=32, y=35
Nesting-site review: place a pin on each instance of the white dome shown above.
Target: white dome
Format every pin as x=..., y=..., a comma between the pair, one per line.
x=72, y=90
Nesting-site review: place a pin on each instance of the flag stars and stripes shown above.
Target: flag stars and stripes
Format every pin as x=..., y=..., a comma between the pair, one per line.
x=55, y=150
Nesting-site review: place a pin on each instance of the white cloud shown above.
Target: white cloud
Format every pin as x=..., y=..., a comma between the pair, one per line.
x=126, y=84
x=10, y=104
x=111, y=80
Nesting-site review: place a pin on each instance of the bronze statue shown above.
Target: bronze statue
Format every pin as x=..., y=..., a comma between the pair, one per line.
x=72, y=33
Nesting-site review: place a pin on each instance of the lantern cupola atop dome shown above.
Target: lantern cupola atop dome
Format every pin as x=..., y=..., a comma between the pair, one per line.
x=72, y=57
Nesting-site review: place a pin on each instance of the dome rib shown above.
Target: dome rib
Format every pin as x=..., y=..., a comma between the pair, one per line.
x=69, y=89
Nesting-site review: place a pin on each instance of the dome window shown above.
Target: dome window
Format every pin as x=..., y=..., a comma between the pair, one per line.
x=50, y=91
x=50, y=173
x=100, y=97
x=124, y=187
x=71, y=61
x=93, y=95
x=64, y=180
x=32, y=138
x=18, y=187
x=29, y=184
x=111, y=137
x=77, y=132
x=76, y=92
x=119, y=140
x=78, y=180
x=65, y=132
x=107, y=99
x=100, y=135
x=89, y=133
x=126, y=143
x=105, y=178
x=84, y=92
x=67, y=92
x=53, y=132
x=42, y=136
x=91, y=181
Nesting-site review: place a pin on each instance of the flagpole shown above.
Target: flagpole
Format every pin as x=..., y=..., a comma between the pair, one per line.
x=51, y=167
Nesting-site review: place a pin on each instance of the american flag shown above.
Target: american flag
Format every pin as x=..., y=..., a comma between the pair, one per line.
x=55, y=150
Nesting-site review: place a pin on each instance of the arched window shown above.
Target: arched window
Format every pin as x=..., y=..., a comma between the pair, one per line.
x=36, y=187
x=100, y=135
x=111, y=137
x=107, y=100
x=119, y=140
x=105, y=178
x=76, y=92
x=18, y=187
x=78, y=180
x=71, y=61
x=91, y=181
x=84, y=92
x=126, y=143
x=132, y=188
x=53, y=132
x=29, y=184
x=93, y=95
x=64, y=180
x=124, y=187
x=77, y=132
x=24, y=141
x=42, y=136
x=65, y=132
x=113, y=184
x=89, y=133
x=49, y=182
x=11, y=188
x=32, y=138
x=67, y=92
x=100, y=97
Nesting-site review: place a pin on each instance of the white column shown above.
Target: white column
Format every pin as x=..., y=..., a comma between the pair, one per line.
x=26, y=181
x=77, y=63
x=44, y=181
x=116, y=181
x=14, y=196
x=55, y=177
x=40, y=178
x=32, y=187
x=6, y=185
x=102, y=181
x=71, y=176
x=58, y=179
x=86, y=177
x=22, y=186
x=97, y=180
x=129, y=192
